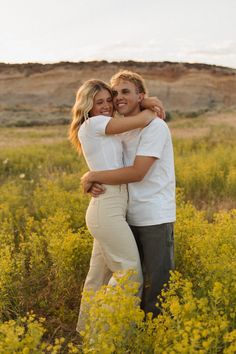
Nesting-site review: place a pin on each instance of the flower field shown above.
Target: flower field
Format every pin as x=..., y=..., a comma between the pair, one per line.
x=45, y=251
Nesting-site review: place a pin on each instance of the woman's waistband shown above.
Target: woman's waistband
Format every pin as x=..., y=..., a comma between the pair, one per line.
x=115, y=189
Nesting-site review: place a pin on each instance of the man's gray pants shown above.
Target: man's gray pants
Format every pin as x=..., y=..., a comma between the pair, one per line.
x=156, y=248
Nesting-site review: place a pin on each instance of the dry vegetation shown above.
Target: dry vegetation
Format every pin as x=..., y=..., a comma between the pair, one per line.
x=181, y=128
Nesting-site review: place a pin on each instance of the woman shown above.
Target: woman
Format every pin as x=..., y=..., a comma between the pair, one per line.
x=93, y=131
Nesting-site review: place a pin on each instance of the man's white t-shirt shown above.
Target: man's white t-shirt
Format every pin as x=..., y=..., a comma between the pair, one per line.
x=101, y=151
x=151, y=201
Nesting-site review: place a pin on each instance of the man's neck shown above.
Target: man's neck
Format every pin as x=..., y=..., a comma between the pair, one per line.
x=133, y=113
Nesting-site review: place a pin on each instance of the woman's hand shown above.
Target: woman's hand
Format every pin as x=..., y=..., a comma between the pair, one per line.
x=155, y=105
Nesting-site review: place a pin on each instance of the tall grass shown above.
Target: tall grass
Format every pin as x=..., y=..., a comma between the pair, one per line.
x=45, y=252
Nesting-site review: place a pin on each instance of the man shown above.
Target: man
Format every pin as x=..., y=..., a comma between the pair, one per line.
x=151, y=206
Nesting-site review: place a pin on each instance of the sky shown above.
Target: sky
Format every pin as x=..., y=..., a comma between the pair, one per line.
x=49, y=31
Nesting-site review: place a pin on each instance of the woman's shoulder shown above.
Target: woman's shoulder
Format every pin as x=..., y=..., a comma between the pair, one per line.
x=96, y=120
x=94, y=124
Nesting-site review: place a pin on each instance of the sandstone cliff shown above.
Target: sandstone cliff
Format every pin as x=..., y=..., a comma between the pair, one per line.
x=45, y=93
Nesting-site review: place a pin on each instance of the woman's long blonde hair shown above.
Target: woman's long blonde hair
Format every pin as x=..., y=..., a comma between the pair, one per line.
x=82, y=107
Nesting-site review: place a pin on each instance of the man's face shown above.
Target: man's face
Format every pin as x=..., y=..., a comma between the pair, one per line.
x=126, y=98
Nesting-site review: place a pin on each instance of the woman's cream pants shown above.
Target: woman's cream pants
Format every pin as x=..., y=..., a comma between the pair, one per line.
x=114, y=247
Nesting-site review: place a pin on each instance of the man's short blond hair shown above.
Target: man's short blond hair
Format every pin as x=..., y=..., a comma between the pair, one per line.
x=131, y=76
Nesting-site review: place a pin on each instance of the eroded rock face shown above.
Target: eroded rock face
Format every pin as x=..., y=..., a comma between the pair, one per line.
x=37, y=92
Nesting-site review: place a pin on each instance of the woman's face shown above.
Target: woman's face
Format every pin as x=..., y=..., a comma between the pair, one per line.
x=102, y=104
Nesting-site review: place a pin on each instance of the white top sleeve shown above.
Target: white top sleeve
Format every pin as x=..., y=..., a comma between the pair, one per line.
x=153, y=139
x=101, y=151
x=98, y=124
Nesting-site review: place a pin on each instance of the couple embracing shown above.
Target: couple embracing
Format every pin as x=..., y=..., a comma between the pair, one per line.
x=132, y=183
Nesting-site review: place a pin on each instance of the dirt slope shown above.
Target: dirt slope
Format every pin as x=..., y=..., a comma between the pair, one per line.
x=37, y=92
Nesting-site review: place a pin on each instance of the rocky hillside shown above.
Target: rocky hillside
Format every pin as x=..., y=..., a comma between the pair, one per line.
x=36, y=93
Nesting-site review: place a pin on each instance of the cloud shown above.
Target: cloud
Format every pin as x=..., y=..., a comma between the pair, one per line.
x=131, y=50
x=154, y=49
x=218, y=53
x=216, y=49
x=180, y=49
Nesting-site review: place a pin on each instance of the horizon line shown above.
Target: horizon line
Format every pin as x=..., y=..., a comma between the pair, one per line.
x=105, y=61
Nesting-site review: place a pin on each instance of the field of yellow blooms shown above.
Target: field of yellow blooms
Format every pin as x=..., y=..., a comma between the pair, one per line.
x=45, y=251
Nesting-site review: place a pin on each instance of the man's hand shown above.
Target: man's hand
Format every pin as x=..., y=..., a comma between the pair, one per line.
x=86, y=186
x=89, y=186
x=155, y=105
x=97, y=189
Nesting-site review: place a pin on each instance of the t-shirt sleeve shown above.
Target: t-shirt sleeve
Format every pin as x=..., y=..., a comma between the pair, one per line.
x=98, y=124
x=153, y=139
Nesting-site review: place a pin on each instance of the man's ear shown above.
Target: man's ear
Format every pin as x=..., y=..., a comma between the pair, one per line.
x=141, y=97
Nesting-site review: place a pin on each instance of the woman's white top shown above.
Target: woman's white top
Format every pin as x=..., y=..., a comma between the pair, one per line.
x=101, y=151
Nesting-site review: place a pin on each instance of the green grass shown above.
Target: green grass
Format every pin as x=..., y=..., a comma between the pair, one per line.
x=45, y=246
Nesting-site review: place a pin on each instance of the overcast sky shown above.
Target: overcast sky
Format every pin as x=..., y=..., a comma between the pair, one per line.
x=49, y=31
